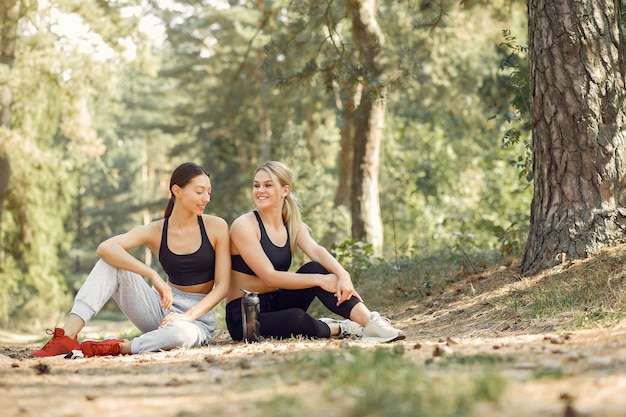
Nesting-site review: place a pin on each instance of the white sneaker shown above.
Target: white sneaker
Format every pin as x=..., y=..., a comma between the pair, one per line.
x=379, y=330
x=347, y=328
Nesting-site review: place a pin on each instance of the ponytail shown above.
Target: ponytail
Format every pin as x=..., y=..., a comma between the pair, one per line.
x=293, y=219
x=169, y=208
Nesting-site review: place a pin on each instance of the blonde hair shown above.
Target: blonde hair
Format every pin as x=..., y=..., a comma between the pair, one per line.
x=282, y=175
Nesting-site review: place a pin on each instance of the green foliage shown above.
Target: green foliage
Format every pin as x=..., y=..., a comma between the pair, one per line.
x=58, y=90
x=37, y=200
x=444, y=174
x=356, y=256
x=100, y=138
x=516, y=111
x=434, y=199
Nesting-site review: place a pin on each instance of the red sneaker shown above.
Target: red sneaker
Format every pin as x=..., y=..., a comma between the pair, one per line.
x=59, y=346
x=101, y=347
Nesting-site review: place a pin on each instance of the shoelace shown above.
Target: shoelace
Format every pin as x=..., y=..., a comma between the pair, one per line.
x=56, y=338
x=382, y=321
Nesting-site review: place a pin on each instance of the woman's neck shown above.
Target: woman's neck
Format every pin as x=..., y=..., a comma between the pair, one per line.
x=271, y=217
x=181, y=220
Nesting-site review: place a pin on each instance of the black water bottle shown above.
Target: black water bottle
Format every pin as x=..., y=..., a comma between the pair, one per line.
x=250, y=310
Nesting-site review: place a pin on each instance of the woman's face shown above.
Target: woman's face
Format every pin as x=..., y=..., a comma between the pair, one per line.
x=196, y=194
x=265, y=192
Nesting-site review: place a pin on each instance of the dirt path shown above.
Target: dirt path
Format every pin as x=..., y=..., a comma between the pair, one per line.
x=580, y=373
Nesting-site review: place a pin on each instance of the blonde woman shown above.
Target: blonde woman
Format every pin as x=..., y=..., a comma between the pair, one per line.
x=263, y=242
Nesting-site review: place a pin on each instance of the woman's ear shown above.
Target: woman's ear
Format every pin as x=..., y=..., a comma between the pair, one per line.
x=176, y=191
x=286, y=190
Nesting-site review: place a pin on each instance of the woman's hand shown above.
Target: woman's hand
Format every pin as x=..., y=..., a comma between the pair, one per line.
x=345, y=290
x=328, y=282
x=342, y=287
x=164, y=290
x=172, y=317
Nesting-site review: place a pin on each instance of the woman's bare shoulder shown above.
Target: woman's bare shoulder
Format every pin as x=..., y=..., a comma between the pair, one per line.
x=154, y=231
x=215, y=225
x=244, y=220
x=150, y=228
x=245, y=224
x=213, y=220
x=145, y=234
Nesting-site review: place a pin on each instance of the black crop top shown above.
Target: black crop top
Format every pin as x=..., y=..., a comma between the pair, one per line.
x=280, y=257
x=189, y=269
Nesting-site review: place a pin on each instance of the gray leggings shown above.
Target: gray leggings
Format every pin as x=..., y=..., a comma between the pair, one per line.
x=141, y=303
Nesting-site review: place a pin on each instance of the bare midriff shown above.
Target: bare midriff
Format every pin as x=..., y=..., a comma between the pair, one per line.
x=239, y=280
x=204, y=288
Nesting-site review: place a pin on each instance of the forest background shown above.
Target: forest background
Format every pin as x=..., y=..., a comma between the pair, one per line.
x=108, y=97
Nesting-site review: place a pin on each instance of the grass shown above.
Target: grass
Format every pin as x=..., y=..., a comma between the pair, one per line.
x=580, y=294
x=385, y=284
x=477, y=359
x=574, y=295
x=382, y=382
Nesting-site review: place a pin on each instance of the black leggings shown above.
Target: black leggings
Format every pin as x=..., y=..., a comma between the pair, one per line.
x=283, y=312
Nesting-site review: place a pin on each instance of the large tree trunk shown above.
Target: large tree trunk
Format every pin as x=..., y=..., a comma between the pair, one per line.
x=366, y=218
x=578, y=127
x=10, y=12
x=369, y=117
x=349, y=96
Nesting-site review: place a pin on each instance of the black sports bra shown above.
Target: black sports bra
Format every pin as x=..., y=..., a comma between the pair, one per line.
x=189, y=269
x=280, y=257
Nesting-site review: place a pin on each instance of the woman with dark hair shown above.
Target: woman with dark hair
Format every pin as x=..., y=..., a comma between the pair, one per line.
x=193, y=249
x=263, y=242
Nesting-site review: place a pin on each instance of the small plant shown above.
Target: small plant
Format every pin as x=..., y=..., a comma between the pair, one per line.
x=478, y=359
x=550, y=372
x=517, y=115
x=356, y=256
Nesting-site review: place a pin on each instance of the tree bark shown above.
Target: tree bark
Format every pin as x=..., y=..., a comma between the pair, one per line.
x=349, y=96
x=369, y=117
x=366, y=217
x=578, y=126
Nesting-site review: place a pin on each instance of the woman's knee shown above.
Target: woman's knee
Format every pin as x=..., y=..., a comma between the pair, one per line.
x=180, y=334
x=186, y=334
x=103, y=268
x=312, y=268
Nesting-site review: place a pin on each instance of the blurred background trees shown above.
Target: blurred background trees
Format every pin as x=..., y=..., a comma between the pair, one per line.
x=108, y=97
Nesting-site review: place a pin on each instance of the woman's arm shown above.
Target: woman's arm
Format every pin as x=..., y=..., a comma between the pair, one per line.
x=244, y=235
x=114, y=251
